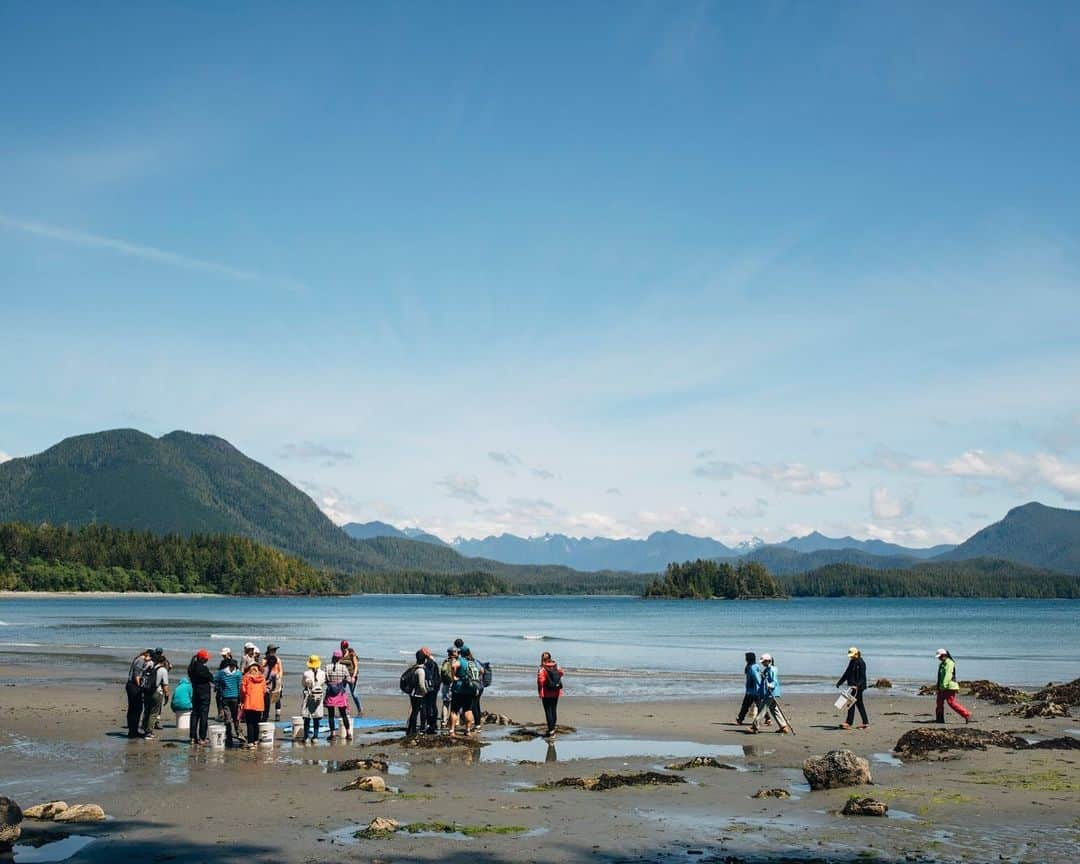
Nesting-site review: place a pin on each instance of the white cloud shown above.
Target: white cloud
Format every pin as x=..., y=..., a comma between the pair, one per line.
x=463, y=487
x=887, y=506
x=793, y=477
x=750, y=511
x=4, y=457
x=307, y=451
x=337, y=505
x=505, y=458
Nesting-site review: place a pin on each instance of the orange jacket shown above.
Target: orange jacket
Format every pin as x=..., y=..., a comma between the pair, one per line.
x=253, y=691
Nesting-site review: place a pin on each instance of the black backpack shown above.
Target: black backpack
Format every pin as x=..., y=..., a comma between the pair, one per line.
x=554, y=677
x=485, y=677
x=148, y=679
x=408, y=680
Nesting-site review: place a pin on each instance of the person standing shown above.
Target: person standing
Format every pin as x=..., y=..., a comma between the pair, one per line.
x=157, y=693
x=549, y=687
x=252, y=701
x=133, y=690
x=201, y=678
x=414, y=684
x=227, y=684
x=476, y=685
x=751, y=689
x=313, y=692
x=249, y=656
x=352, y=660
x=947, y=688
x=855, y=678
x=446, y=676
x=226, y=656
x=433, y=680
x=274, y=672
x=461, y=693
x=337, y=695
x=770, y=692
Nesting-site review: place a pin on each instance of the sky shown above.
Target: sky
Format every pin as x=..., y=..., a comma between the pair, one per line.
x=604, y=269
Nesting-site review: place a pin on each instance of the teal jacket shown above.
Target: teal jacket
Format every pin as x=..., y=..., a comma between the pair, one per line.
x=181, y=697
x=770, y=681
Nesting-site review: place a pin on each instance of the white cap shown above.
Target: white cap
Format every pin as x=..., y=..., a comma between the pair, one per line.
x=941, y=652
x=225, y=651
x=767, y=657
x=250, y=645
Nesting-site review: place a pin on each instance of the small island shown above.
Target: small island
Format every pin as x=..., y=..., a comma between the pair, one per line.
x=712, y=580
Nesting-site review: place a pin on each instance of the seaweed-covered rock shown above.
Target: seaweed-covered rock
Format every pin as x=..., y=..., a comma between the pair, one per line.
x=1063, y=743
x=373, y=783
x=882, y=684
x=81, y=813
x=45, y=811
x=771, y=793
x=857, y=806
x=928, y=690
x=836, y=768
x=1032, y=710
x=700, y=762
x=11, y=817
x=530, y=731
x=380, y=826
x=990, y=691
x=362, y=765
x=922, y=743
x=615, y=781
x=435, y=742
x=1064, y=694
x=498, y=719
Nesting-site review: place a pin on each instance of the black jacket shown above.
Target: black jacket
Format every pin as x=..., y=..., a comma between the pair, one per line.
x=431, y=675
x=855, y=674
x=201, y=678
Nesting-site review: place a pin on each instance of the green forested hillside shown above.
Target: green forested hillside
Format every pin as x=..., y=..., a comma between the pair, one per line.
x=708, y=579
x=980, y=577
x=781, y=560
x=1033, y=534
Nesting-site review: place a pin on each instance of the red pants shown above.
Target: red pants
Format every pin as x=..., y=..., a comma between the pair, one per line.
x=948, y=697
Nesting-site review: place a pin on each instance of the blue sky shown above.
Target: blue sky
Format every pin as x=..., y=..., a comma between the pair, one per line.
x=604, y=269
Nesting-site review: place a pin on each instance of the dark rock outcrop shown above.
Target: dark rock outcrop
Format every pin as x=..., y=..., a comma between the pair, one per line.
x=836, y=768
x=11, y=817
x=615, y=781
x=990, y=691
x=857, y=806
x=1065, y=694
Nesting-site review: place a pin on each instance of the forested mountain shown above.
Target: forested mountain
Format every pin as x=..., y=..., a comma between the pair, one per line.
x=1031, y=534
x=370, y=530
x=781, y=560
x=815, y=541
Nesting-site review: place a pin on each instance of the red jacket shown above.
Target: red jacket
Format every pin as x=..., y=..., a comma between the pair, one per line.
x=253, y=692
x=542, y=680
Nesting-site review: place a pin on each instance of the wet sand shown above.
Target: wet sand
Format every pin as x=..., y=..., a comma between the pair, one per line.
x=61, y=738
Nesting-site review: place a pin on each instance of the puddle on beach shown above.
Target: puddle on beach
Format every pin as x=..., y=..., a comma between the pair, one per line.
x=570, y=749
x=51, y=850
x=887, y=759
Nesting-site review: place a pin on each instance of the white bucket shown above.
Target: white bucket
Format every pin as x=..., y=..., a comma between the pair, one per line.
x=844, y=701
x=183, y=720
x=344, y=729
x=266, y=734
x=297, y=728
x=217, y=737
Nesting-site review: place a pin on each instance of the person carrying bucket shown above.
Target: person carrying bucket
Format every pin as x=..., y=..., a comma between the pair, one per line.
x=312, y=694
x=855, y=678
x=252, y=701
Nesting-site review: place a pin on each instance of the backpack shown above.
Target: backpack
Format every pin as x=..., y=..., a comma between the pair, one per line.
x=554, y=676
x=408, y=681
x=486, y=676
x=148, y=679
x=446, y=671
x=476, y=675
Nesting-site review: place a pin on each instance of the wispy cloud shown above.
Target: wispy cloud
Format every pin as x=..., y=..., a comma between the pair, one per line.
x=542, y=473
x=462, y=487
x=505, y=458
x=4, y=457
x=124, y=247
x=308, y=451
x=750, y=511
x=886, y=506
x=613, y=490
x=793, y=477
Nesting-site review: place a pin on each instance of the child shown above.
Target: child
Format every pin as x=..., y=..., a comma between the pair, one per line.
x=253, y=701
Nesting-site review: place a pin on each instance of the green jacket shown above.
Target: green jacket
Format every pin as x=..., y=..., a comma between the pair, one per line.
x=946, y=675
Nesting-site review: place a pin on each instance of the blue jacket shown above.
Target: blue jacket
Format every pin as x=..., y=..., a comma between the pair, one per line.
x=753, y=679
x=770, y=675
x=228, y=683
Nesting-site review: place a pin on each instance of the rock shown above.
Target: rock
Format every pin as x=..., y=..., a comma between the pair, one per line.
x=367, y=784
x=1065, y=694
x=836, y=768
x=990, y=691
x=11, y=815
x=615, y=781
x=928, y=690
x=882, y=684
x=1031, y=710
x=498, y=719
x=81, y=813
x=435, y=742
x=45, y=811
x=1063, y=743
x=380, y=826
x=857, y=806
x=771, y=793
x=363, y=765
x=531, y=731
x=924, y=742
x=700, y=762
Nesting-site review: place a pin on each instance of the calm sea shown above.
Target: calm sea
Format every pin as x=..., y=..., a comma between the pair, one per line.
x=622, y=647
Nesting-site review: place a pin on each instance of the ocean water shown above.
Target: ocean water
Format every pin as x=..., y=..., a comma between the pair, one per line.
x=618, y=648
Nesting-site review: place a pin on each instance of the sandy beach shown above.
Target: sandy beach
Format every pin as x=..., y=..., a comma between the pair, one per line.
x=61, y=738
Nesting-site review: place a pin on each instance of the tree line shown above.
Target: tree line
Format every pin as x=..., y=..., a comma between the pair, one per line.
x=705, y=579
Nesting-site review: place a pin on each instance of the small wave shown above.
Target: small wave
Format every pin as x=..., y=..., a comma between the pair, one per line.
x=21, y=644
x=4, y=624
x=534, y=637
x=248, y=637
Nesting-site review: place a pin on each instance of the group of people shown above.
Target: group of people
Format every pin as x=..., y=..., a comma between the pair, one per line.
x=763, y=690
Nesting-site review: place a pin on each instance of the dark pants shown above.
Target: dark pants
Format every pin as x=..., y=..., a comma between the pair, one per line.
x=551, y=711
x=341, y=712
x=477, y=714
x=858, y=703
x=431, y=711
x=747, y=703
x=230, y=711
x=153, y=702
x=314, y=733
x=134, y=709
x=252, y=719
x=355, y=698
x=416, y=711
x=200, y=716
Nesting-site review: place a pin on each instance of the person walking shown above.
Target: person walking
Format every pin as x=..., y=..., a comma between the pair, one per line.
x=947, y=688
x=751, y=689
x=855, y=678
x=253, y=701
x=433, y=680
x=134, y=691
x=312, y=694
x=337, y=695
x=201, y=678
x=549, y=687
x=156, y=693
x=770, y=692
x=351, y=659
x=414, y=685
x=227, y=684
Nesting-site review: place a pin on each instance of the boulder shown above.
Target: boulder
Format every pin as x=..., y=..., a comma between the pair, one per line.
x=771, y=793
x=81, y=813
x=882, y=684
x=380, y=826
x=857, y=806
x=45, y=811
x=11, y=816
x=1031, y=710
x=498, y=719
x=836, y=768
x=367, y=784
x=928, y=690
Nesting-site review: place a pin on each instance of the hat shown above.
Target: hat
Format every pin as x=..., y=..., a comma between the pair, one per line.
x=202, y=654
x=941, y=652
x=344, y=644
x=852, y=651
x=226, y=652
x=270, y=648
x=159, y=651
x=451, y=650
x=314, y=661
x=766, y=658
x=250, y=645
x=337, y=655
x=425, y=651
